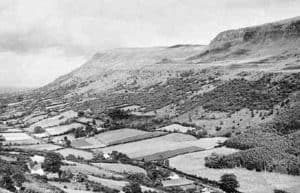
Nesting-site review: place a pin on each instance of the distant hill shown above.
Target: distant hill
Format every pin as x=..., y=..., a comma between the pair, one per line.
x=269, y=47
x=13, y=89
x=273, y=41
x=141, y=66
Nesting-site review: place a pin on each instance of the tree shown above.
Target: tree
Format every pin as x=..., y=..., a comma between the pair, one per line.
x=132, y=187
x=117, y=114
x=229, y=183
x=67, y=142
x=7, y=183
x=52, y=162
x=18, y=179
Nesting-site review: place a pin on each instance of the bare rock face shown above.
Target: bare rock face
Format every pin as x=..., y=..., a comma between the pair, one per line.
x=286, y=29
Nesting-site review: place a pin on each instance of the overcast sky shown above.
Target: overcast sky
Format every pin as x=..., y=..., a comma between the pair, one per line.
x=43, y=39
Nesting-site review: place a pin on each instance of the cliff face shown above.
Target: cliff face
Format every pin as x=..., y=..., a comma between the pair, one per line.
x=275, y=37
x=287, y=29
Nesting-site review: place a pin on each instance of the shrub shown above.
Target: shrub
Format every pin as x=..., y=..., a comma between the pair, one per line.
x=38, y=129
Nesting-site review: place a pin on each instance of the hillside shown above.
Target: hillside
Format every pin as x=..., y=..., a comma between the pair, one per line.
x=111, y=68
x=164, y=119
x=276, y=43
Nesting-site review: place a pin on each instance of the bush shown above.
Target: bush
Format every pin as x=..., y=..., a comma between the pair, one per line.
x=38, y=129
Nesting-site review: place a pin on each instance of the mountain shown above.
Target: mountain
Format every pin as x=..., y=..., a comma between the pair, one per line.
x=232, y=106
x=270, y=47
x=271, y=42
x=108, y=69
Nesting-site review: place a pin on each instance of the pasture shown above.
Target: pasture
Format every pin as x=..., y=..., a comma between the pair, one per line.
x=120, y=168
x=47, y=147
x=18, y=139
x=89, y=170
x=54, y=121
x=161, y=144
x=69, y=151
x=250, y=181
x=59, y=130
x=111, y=136
x=114, y=137
x=170, y=153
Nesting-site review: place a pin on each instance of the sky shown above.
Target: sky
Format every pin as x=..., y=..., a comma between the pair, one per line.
x=43, y=39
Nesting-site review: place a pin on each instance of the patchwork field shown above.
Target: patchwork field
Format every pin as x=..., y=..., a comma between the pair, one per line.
x=87, y=143
x=176, y=182
x=161, y=144
x=59, y=130
x=170, y=153
x=34, y=119
x=54, y=121
x=250, y=181
x=15, y=136
x=116, y=184
x=111, y=136
x=48, y=147
x=114, y=137
x=18, y=139
x=120, y=168
x=89, y=170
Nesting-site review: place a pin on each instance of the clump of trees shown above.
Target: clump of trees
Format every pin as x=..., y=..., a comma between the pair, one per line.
x=52, y=163
x=118, y=114
x=132, y=187
x=229, y=183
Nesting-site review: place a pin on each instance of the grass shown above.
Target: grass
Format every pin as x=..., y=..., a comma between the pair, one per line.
x=110, y=137
x=170, y=153
x=89, y=170
x=161, y=144
x=48, y=147
x=176, y=182
x=54, y=121
x=16, y=136
x=120, y=168
x=250, y=181
x=67, y=151
x=59, y=130
x=114, y=137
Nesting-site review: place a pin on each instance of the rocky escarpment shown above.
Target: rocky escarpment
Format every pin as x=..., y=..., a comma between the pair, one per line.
x=275, y=37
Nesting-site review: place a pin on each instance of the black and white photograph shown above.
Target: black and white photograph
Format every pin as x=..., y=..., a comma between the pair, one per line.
x=149, y=96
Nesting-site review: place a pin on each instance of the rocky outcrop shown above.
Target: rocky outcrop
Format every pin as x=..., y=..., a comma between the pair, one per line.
x=240, y=42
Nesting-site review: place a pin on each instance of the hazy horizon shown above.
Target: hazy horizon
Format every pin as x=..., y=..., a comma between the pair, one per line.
x=41, y=40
